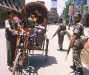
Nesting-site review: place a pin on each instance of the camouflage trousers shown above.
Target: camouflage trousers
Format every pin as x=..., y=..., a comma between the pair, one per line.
x=60, y=41
x=76, y=57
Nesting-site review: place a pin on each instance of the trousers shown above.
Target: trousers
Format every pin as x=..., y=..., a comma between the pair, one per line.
x=76, y=57
x=60, y=41
x=10, y=44
x=40, y=36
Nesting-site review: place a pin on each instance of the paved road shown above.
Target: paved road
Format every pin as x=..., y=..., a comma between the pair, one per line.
x=56, y=64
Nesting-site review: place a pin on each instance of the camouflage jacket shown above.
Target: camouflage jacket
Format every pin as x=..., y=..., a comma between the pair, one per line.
x=61, y=29
x=78, y=29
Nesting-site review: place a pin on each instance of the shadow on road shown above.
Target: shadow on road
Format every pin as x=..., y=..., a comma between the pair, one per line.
x=86, y=71
x=64, y=50
x=38, y=61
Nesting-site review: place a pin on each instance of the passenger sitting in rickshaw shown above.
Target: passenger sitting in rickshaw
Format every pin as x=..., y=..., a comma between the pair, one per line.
x=31, y=24
x=41, y=22
x=31, y=21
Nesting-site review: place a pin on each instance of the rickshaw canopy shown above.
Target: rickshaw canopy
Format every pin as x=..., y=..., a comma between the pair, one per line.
x=32, y=6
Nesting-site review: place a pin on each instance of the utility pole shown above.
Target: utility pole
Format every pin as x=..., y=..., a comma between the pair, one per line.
x=81, y=10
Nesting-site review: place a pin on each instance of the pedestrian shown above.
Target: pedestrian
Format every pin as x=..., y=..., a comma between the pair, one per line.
x=78, y=31
x=11, y=26
x=61, y=32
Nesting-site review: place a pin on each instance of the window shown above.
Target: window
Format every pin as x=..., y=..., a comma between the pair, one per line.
x=17, y=4
x=11, y=2
x=21, y=5
x=6, y=1
x=0, y=1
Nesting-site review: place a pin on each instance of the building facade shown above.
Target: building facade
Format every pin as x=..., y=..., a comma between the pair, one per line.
x=82, y=6
x=5, y=5
x=53, y=15
x=53, y=12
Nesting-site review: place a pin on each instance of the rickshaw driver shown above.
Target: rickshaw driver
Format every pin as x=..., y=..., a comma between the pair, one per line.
x=41, y=21
x=11, y=30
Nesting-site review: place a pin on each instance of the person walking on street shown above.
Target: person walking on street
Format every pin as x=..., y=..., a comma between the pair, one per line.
x=61, y=32
x=11, y=27
x=78, y=31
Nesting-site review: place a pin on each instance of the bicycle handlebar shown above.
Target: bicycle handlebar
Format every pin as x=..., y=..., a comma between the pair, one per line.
x=24, y=34
x=20, y=33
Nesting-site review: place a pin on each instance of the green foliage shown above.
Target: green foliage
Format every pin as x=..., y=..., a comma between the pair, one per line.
x=67, y=4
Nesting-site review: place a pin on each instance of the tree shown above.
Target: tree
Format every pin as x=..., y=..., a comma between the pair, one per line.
x=66, y=9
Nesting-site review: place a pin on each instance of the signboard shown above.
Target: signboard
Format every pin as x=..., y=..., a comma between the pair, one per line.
x=71, y=10
x=53, y=3
x=87, y=2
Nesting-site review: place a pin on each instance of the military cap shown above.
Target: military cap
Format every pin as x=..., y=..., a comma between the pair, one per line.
x=77, y=15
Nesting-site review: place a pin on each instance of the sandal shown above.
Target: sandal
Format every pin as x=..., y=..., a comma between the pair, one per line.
x=10, y=68
x=39, y=47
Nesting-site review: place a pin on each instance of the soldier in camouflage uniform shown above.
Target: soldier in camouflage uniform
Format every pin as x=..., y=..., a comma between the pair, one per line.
x=78, y=31
x=61, y=32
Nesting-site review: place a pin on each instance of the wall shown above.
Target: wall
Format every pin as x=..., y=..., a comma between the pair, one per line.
x=3, y=17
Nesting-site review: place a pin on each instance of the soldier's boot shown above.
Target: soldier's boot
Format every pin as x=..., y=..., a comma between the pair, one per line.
x=60, y=47
x=79, y=72
x=73, y=67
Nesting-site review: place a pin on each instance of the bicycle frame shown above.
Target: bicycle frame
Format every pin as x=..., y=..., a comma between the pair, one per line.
x=24, y=50
x=16, y=49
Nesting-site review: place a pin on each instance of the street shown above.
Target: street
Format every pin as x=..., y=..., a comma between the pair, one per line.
x=55, y=65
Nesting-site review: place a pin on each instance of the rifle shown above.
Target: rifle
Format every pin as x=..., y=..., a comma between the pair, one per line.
x=68, y=51
x=54, y=34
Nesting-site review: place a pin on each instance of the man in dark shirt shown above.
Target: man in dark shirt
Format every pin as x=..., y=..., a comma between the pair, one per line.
x=41, y=22
x=41, y=19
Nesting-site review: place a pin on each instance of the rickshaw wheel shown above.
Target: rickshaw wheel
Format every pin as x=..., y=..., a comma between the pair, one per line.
x=46, y=50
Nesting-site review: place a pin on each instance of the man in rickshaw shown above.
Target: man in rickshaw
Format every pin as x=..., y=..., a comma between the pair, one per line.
x=11, y=26
x=41, y=21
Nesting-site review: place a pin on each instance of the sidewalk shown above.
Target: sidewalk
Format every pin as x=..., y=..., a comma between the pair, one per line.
x=84, y=53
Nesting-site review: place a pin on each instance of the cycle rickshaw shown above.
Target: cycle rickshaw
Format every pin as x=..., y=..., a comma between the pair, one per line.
x=22, y=48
